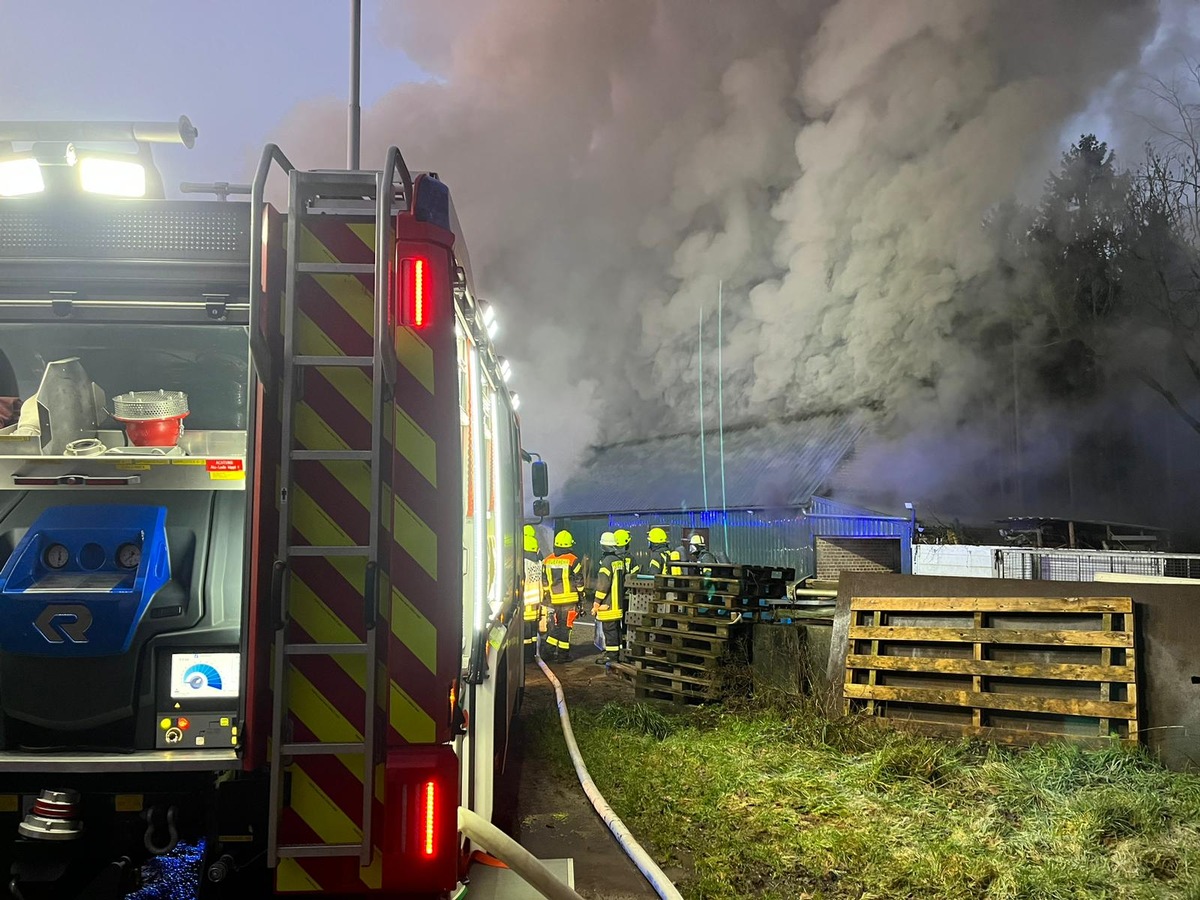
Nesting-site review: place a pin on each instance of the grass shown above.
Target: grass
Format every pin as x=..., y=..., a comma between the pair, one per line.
x=785, y=802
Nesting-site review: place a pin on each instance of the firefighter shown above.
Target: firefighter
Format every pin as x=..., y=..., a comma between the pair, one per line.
x=608, y=605
x=624, y=539
x=535, y=612
x=699, y=552
x=695, y=550
x=563, y=577
x=632, y=568
x=660, y=552
x=608, y=544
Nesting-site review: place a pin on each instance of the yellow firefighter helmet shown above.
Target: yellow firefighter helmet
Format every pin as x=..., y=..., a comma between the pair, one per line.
x=658, y=536
x=531, y=541
x=564, y=541
x=623, y=537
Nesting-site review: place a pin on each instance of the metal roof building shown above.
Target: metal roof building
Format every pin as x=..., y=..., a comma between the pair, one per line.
x=770, y=465
x=774, y=473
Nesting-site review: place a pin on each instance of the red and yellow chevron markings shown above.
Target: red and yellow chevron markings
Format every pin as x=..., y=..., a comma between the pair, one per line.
x=420, y=559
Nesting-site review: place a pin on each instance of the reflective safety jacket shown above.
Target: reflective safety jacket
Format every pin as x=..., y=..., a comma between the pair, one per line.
x=679, y=553
x=610, y=587
x=563, y=577
x=660, y=562
x=631, y=566
x=533, y=587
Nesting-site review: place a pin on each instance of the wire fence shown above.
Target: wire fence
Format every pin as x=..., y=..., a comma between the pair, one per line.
x=1084, y=565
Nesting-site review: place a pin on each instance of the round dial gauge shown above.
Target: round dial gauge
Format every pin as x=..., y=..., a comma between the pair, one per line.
x=129, y=556
x=57, y=556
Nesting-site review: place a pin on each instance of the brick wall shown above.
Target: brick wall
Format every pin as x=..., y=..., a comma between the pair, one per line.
x=835, y=555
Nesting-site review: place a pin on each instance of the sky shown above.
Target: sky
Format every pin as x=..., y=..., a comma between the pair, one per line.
x=236, y=68
x=615, y=163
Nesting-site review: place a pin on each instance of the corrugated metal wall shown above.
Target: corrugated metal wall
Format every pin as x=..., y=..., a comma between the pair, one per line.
x=757, y=538
x=782, y=538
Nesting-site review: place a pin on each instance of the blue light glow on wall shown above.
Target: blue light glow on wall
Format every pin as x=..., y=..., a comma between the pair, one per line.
x=758, y=537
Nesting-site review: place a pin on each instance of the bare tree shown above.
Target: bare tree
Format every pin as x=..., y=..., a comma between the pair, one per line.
x=1172, y=168
x=1161, y=271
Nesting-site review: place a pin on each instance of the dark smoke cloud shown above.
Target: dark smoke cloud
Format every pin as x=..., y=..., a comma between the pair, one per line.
x=829, y=162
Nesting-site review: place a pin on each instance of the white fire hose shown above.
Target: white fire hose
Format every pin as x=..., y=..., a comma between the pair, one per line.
x=500, y=845
x=658, y=880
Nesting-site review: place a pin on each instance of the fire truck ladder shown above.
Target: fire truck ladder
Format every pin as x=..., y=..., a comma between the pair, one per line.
x=332, y=193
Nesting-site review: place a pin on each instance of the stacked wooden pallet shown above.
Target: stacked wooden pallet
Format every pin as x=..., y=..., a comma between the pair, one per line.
x=692, y=629
x=1013, y=669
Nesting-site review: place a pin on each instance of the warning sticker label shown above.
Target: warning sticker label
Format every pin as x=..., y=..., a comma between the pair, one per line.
x=225, y=470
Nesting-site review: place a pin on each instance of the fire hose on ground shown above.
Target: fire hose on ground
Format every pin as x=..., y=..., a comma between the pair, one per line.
x=658, y=880
x=517, y=858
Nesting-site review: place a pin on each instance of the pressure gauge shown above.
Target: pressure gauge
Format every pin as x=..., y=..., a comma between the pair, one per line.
x=129, y=556
x=57, y=556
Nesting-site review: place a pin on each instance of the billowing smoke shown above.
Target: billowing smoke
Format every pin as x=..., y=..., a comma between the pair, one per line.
x=828, y=163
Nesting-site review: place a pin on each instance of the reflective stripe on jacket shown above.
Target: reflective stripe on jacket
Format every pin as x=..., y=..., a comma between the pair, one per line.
x=610, y=587
x=660, y=562
x=563, y=578
x=677, y=555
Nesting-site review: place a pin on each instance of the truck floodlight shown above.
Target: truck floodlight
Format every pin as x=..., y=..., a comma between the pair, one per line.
x=489, y=315
x=505, y=370
x=114, y=177
x=516, y=402
x=20, y=176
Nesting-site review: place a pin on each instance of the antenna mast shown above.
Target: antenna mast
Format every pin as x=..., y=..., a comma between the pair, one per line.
x=355, y=111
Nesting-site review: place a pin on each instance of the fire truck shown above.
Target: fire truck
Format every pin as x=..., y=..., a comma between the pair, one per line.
x=261, y=490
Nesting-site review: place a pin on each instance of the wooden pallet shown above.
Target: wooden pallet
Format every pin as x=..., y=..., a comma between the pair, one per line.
x=693, y=582
x=697, y=591
x=1018, y=669
x=705, y=668
x=706, y=658
x=726, y=570
x=736, y=570
x=676, y=681
x=711, y=625
x=698, y=601
x=747, y=582
x=705, y=672
x=680, y=640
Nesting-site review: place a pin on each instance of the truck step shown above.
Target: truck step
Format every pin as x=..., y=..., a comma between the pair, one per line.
x=322, y=749
x=336, y=268
x=357, y=362
x=333, y=455
x=342, y=550
x=297, y=851
x=325, y=649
